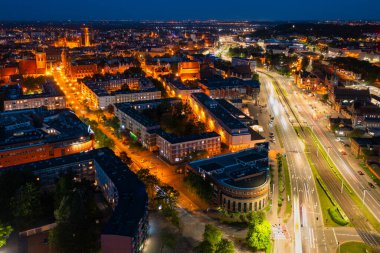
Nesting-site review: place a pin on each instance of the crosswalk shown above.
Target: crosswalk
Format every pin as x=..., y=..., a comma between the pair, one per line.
x=280, y=232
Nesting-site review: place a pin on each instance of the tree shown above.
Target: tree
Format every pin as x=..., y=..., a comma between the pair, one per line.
x=204, y=247
x=225, y=246
x=63, y=187
x=26, y=205
x=150, y=181
x=5, y=232
x=169, y=239
x=77, y=219
x=255, y=77
x=10, y=182
x=212, y=234
x=213, y=242
x=170, y=195
x=33, y=84
x=114, y=123
x=98, y=113
x=125, y=158
x=259, y=232
x=110, y=109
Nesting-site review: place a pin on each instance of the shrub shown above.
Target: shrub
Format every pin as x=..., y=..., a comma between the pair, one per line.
x=336, y=216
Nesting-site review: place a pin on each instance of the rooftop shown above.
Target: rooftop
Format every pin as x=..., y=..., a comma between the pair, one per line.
x=245, y=169
x=220, y=113
x=134, y=114
x=173, y=139
x=14, y=91
x=25, y=127
x=231, y=82
x=132, y=195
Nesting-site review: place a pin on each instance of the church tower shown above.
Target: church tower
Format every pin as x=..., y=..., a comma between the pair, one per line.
x=86, y=36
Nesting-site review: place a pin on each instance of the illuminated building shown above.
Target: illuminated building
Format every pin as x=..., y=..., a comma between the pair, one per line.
x=81, y=68
x=86, y=37
x=70, y=43
x=240, y=180
x=173, y=148
x=232, y=130
x=176, y=148
x=38, y=134
x=139, y=127
x=340, y=98
x=41, y=61
x=127, y=228
x=230, y=88
x=189, y=70
x=106, y=92
x=308, y=81
x=175, y=88
x=6, y=71
x=13, y=98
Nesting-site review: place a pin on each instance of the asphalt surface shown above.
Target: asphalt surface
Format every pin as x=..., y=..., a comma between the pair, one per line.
x=333, y=183
x=307, y=233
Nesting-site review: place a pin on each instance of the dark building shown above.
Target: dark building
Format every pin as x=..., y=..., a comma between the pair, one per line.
x=126, y=230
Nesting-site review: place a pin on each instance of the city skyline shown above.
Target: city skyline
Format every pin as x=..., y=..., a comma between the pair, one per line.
x=216, y=135
x=221, y=10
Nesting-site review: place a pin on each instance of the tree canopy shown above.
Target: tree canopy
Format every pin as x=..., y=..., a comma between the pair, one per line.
x=77, y=219
x=5, y=232
x=213, y=242
x=26, y=205
x=259, y=231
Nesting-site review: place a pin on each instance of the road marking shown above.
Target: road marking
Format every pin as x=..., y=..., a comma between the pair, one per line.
x=336, y=240
x=347, y=235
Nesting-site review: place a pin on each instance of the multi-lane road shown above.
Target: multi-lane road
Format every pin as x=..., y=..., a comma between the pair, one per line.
x=306, y=115
x=307, y=229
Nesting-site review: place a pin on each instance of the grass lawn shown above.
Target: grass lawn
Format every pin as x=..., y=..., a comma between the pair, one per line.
x=288, y=187
x=279, y=136
x=354, y=247
x=323, y=198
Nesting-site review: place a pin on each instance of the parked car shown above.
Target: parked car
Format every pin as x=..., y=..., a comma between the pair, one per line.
x=360, y=172
x=371, y=185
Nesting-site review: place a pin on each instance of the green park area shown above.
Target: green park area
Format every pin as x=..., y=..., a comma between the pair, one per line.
x=355, y=247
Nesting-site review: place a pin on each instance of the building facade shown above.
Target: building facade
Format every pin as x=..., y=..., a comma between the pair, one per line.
x=34, y=135
x=127, y=228
x=176, y=149
x=13, y=98
x=240, y=180
x=232, y=131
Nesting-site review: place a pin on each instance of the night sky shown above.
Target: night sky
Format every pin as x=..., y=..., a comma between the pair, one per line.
x=189, y=9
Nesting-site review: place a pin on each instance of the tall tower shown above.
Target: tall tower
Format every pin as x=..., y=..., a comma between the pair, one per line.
x=41, y=60
x=86, y=36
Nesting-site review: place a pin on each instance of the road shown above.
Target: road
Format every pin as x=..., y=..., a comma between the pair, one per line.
x=313, y=112
x=308, y=236
x=343, y=197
